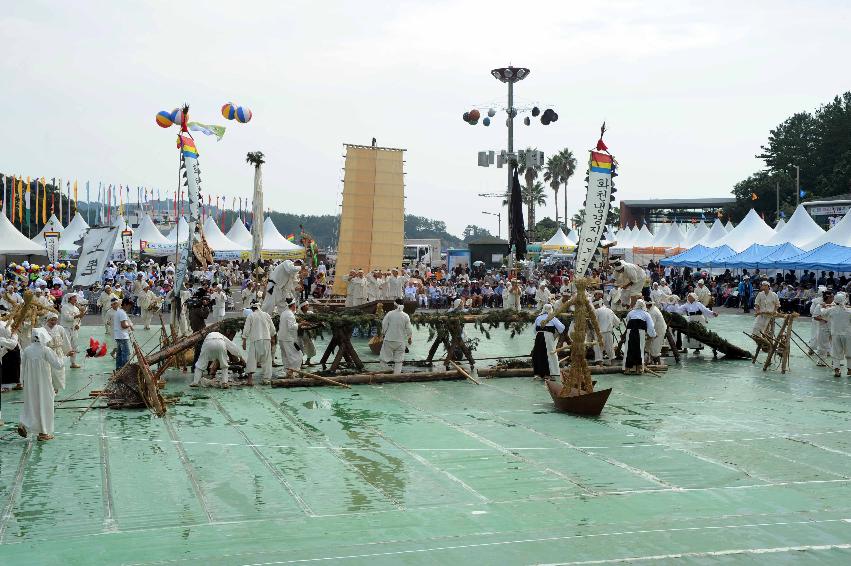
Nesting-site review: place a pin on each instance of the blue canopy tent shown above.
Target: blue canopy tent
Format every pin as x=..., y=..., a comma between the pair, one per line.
x=682, y=259
x=827, y=257
x=715, y=258
x=759, y=256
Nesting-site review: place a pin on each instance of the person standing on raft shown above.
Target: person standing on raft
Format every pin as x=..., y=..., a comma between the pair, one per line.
x=638, y=323
x=544, y=357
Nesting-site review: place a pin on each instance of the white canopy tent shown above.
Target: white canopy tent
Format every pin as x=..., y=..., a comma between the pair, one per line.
x=573, y=236
x=240, y=234
x=559, y=242
x=779, y=226
x=148, y=232
x=274, y=242
x=660, y=238
x=729, y=225
x=695, y=234
x=72, y=233
x=216, y=239
x=715, y=233
x=53, y=225
x=840, y=235
x=799, y=231
x=751, y=230
x=12, y=242
x=643, y=238
x=181, y=229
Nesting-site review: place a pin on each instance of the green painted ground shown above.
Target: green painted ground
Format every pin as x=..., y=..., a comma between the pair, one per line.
x=716, y=462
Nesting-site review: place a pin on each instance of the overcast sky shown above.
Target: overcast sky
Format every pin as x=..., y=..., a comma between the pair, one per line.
x=689, y=90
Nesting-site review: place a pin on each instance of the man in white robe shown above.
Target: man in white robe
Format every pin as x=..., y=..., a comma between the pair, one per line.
x=654, y=345
x=608, y=321
x=823, y=338
x=220, y=303
x=815, y=325
x=8, y=342
x=544, y=357
x=395, y=285
x=374, y=282
x=288, y=339
x=765, y=304
x=542, y=296
x=838, y=319
x=104, y=302
x=397, y=330
x=40, y=386
x=215, y=348
x=70, y=317
x=148, y=305
x=630, y=279
x=694, y=311
x=60, y=343
x=305, y=341
x=257, y=342
x=702, y=292
x=281, y=284
x=638, y=323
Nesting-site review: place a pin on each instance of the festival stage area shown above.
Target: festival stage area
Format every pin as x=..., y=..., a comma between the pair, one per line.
x=715, y=462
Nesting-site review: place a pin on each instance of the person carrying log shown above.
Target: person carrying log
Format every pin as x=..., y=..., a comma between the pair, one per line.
x=397, y=330
x=630, y=279
x=544, y=356
x=215, y=348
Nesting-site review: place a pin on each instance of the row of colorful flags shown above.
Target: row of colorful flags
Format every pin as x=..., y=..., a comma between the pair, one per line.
x=18, y=203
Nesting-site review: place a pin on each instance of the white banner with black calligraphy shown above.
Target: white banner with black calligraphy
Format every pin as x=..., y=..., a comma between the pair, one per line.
x=97, y=247
x=51, y=246
x=596, y=211
x=127, y=243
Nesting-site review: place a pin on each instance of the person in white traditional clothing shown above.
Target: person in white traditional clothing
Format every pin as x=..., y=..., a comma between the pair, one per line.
x=815, y=325
x=823, y=338
x=38, y=363
x=148, y=305
x=765, y=304
x=249, y=294
x=560, y=305
x=542, y=295
x=374, y=281
x=281, y=284
x=544, y=357
x=138, y=289
x=305, y=340
x=396, y=284
x=608, y=321
x=257, y=342
x=397, y=331
x=630, y=279
x=288, y=339
x=70, y=317
x=638, y=323
x=8, y=342
x=654, y=345
x=104, y=301
x=694, y=311
x=60, y=343
x=512, y=295
x=219, y=303
x=656, y=292
x=838, y=319
x=216, y=347
x=664, y=288
x=703, y=294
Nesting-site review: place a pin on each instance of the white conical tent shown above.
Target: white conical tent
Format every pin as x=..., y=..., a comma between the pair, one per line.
x=626, y=236
x=121, y=224
x=72, y=233
x=12, y=242
x=799, y=231
x=53, y=225
x=240, y=234
x=274, y=242
x=559, y=242
x=729, y=225
x=573, y=236
x=676, y=237
x=181, y=230
x=715, y=233
x=751, y=230
x=660, y=238
x=840, y=235
x=696, y=234
x=216, y=239
x=148, y=232
x=779, y=226
x=643, y=238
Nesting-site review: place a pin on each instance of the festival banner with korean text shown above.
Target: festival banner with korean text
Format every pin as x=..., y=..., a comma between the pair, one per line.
x=97, y=247
x=597, y=201
x=51, y=245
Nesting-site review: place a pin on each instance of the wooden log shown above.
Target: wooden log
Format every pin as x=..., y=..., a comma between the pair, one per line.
x=464, y=373
x=452, y=375
x=321, y=378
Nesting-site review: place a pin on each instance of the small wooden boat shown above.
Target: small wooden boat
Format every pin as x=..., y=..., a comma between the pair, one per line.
x=590, y=404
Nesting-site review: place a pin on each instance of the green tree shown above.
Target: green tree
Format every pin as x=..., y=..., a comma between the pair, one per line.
x=558, y=171
x=472, y=233
x=544, y=229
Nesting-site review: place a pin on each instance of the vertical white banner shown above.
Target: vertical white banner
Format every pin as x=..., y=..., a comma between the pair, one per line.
x=597, y=200
x=51, y=245
x=127, y=244
x=97, y=247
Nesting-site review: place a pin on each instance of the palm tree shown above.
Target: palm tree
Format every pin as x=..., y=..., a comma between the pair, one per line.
x=552, y=174
x=534, y=195
x=568, y=168
x=257, y=159
x=530, y=172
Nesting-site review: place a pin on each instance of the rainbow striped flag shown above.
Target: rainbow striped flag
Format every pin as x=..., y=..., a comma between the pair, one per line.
x=291, y=237
x=187, y=146
x=601, y=162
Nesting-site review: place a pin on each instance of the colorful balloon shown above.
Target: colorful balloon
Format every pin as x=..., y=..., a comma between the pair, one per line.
x=164, y=119
x=243, y=115
x=177, y=116
x=229, y=111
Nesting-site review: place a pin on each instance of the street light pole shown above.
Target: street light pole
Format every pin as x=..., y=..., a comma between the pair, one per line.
x=498, y=222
